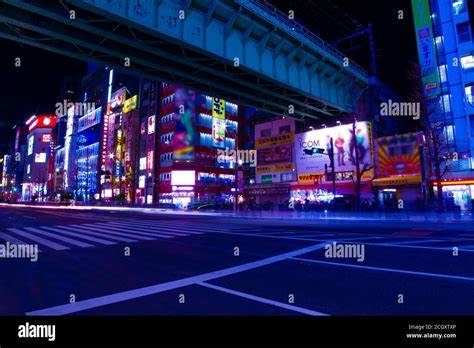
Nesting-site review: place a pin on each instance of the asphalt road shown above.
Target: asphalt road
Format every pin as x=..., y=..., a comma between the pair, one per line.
x=125, y=263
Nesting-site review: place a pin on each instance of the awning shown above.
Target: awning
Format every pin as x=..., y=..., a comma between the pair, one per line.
x=397, y=180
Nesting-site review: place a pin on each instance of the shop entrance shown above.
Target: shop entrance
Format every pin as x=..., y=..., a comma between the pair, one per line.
x=388, y=199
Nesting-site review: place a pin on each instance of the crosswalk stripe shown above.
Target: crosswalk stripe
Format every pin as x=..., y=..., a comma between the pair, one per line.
x=40, y=240
x=134, y=232
x=312, y=235
x=103, y=230
x=61, y=238
x=78, y=235
x=12, y=239
x=181, y=234
x=95, y=232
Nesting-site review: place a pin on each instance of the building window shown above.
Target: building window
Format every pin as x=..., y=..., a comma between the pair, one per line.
x=286, y=177
x=471, y=122
x=445, y=103
x=467, y=62
x=469, y=89
x=442, y=73
x=143, y=163
x=464, y=32
x=459, y=6
x=285, y=129
x=449, y=132
x=265, y=133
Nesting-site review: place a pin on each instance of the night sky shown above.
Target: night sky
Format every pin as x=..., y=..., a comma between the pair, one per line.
x=34, y=88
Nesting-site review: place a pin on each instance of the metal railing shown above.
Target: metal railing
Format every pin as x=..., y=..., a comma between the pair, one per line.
x=299, y=32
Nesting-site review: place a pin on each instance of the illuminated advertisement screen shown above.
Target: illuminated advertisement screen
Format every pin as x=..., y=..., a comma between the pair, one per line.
x=312, y=148
x=398, y=155
x=426, y=47
x=218, y=122
x=31, y=143
x=117, y=99
x=183, y=178
x=149, y=160
x=46, y=138
x=183, y=138
x=40, y=157
x=130, y=104
x=151, y=124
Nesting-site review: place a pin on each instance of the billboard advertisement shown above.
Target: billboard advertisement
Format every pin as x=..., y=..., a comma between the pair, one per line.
x=42, y=121
x=183, y=138
x=398, y=155
x=151, y=124
x=130, y=104
x=273, y=155
x=275, y=140
x=218, y=122
x=311, y=148
x=426, y=47
x=117, y=99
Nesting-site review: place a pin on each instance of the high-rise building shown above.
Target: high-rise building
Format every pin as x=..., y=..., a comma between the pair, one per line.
x=181, y=136
x=446, y=56
x=38, y=174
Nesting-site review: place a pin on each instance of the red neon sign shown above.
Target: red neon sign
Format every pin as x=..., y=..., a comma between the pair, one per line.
x=42, y=121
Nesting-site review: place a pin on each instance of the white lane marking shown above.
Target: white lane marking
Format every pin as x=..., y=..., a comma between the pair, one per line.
x=78, y=235
x=46, y=242
x=314, y=235
x=418, y=241
x=304, y=239
x=95, y=232
x=13, y=240
x=154, y=289
x=111, y=231
x=58, y=237
x=383, y=244
x=133, y=232
x=266, y=232
x=139, y=228
x=450, y=248
x=436, y=275
x=263, y=300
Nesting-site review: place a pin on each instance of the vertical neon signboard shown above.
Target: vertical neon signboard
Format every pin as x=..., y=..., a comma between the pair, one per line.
x=426, y=48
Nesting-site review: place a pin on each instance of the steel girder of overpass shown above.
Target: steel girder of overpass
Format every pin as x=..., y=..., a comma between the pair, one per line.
x=275, y=69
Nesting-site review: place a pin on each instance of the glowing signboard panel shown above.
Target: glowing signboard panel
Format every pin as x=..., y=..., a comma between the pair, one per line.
x=218, y=122
x=311, y=148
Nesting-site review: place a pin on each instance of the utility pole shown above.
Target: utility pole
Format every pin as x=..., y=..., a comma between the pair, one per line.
x=331, y=158
x=373, y=50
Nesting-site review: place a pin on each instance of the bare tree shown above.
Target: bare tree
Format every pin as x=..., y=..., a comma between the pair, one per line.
x=359, y=112
x=434, y=128
x=359, y=154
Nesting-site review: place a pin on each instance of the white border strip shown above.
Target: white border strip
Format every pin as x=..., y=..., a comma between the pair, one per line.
x=155, y=289
x=263, y=300
x=436, y=275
